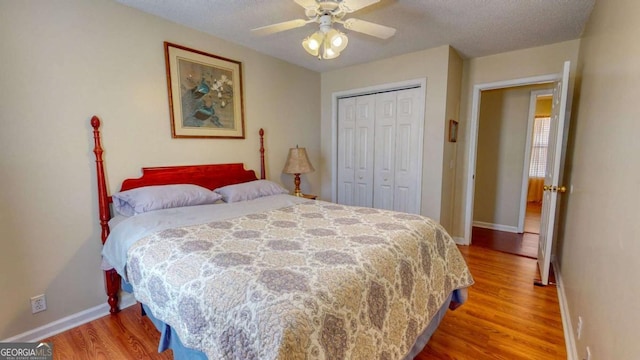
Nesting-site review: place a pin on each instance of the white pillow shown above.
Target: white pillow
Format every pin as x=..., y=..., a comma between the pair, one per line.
x=140, y=200
x=250, y=190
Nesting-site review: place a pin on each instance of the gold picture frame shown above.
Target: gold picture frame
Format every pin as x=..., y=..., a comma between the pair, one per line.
x=453, y=131
x=205, y=94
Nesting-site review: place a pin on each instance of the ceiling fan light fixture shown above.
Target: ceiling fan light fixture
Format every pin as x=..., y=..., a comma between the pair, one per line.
x=330, y=54
x=313, y=42
x=337, y=40
x=327, y=42
x=331, y=41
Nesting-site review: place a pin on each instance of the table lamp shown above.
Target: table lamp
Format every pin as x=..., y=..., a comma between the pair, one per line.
x=297, y=163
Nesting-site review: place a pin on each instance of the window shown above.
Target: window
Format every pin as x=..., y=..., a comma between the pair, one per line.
x=539, y=147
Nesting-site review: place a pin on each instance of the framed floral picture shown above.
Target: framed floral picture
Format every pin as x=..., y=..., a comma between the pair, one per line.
x=205, y=94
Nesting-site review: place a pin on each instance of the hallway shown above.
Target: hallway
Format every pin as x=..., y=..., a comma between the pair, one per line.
x=525, y=244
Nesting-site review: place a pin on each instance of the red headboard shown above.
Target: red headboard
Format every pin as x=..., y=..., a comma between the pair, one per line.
x=211, y=176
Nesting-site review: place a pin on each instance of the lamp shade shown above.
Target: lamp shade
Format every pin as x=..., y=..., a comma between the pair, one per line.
x=313, y=43
x=297, y=162
x=337, y=40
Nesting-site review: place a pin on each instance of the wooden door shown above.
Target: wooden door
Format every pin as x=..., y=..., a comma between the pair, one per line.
x=553, y=175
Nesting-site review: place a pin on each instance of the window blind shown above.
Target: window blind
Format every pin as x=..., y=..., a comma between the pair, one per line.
x=539, y=147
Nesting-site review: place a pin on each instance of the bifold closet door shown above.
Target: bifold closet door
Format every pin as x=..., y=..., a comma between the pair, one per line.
x=379, y=150
x=355, y=150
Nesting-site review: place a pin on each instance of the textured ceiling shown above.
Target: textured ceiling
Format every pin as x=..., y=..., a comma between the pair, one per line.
x=473, y=27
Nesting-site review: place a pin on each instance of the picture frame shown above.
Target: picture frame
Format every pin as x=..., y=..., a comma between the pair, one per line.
x=453, y=131
x=205, y=94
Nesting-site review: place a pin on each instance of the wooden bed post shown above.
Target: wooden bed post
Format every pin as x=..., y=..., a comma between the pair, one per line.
x=112, y=279
x=262, y=170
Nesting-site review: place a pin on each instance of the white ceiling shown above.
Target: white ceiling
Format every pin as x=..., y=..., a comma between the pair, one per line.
x=473, y=27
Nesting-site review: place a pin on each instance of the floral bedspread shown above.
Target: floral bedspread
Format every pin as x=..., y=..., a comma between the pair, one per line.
x=311, y=281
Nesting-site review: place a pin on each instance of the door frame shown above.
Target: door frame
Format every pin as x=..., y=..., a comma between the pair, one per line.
x=527, y=154
x=473, y=137
x=401, y=85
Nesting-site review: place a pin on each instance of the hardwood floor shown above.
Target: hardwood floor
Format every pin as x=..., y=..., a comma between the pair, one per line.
x=126, y=335
x=512, y=243
x=525, y=244
x=506, y=317
x=532, y=218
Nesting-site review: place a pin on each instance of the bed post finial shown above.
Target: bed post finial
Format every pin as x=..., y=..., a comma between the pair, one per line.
x=95, y=123
x=112, y=279
x=262, y=170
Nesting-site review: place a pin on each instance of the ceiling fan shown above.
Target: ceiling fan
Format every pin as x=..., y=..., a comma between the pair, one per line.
x=327, y=43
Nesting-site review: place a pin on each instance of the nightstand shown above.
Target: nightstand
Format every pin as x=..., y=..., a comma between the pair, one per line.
x=309, y=196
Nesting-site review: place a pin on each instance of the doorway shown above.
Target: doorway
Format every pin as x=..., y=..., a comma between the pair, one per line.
x=506, y=146
x=553, y=173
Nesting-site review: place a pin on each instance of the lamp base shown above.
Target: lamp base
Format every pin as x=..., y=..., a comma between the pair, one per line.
x=296, y=181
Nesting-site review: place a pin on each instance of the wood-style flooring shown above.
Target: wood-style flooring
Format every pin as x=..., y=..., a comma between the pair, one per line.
x=525, y=244
x=506, y=317
x=512, y=243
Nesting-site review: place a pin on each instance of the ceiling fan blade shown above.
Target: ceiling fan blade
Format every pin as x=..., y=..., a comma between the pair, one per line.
x=274, y=28
x=354, y=5
x=369, y=28
x=307, y=4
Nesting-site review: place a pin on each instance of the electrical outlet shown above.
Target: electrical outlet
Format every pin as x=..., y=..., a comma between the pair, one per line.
x=38, y=304
x=588, y=354
x=579, y=327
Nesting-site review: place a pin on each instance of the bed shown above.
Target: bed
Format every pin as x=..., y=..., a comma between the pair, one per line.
x=266, y=275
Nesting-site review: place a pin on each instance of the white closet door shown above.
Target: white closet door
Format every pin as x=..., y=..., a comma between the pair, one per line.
x=384, y=151
x=380, y=150
x=346, y=150
x=408, y=152
x=364, y=137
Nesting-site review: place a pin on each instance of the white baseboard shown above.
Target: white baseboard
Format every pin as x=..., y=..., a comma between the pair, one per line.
x=499, y=227
x=459, y=240
x=70, y=321
x=569, y=339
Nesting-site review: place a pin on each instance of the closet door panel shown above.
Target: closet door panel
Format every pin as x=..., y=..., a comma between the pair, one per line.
x=346, y=150
x=364, y=138
x=384, y=150
x=408, y=147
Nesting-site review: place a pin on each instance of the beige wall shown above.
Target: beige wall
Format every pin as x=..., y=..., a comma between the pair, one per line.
x=454, y=83
x=501, y=67
x=502, y=137
x=432, y=64
x=599, y=242
x=64, y=61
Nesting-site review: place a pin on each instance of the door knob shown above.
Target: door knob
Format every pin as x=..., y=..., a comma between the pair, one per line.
x=546, y=188
x=562, y=189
